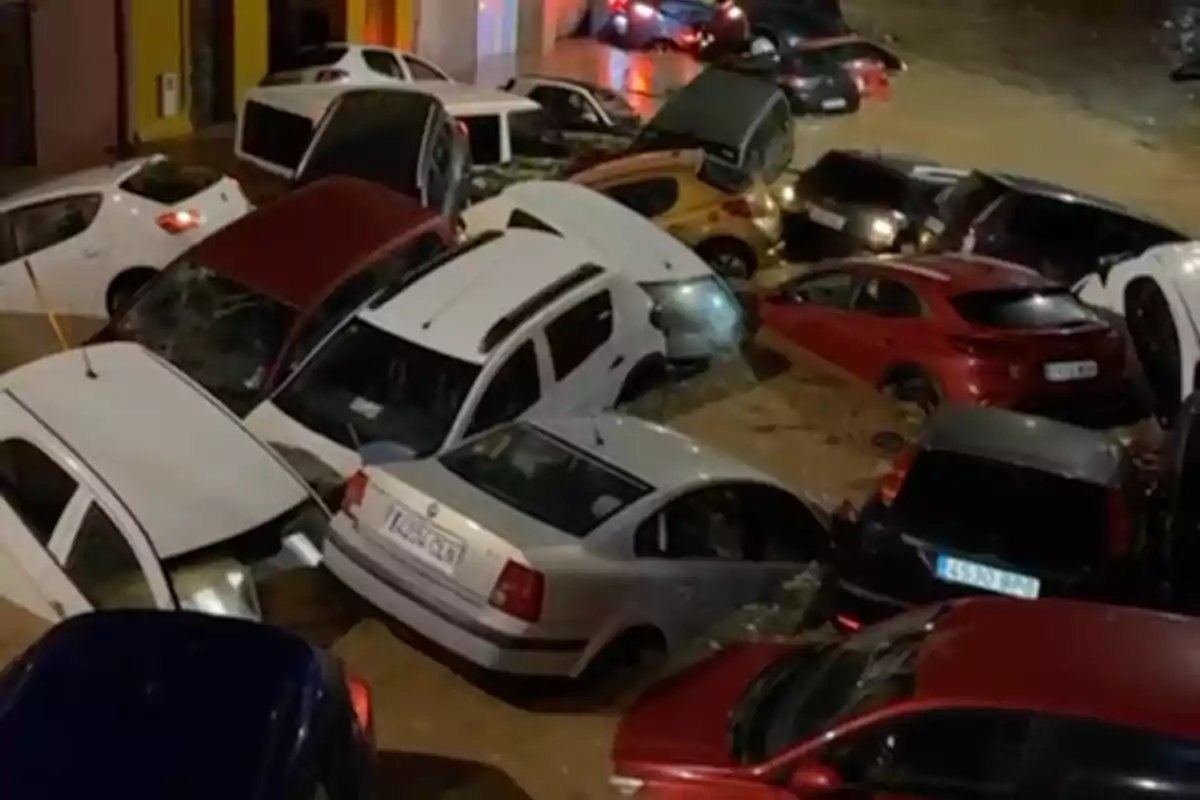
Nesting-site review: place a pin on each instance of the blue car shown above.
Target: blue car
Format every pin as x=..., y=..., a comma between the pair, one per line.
x=670, y=25
x=149, y=705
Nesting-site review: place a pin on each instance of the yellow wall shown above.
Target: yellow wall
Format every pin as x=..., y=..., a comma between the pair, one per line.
x=356, y=20
x=157, y=36
x=406, y=24
x=251, y=22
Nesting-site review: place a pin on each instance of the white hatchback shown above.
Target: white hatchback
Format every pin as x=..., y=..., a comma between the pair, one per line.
x=546, y=546
x=358, y=64
x=91, y=239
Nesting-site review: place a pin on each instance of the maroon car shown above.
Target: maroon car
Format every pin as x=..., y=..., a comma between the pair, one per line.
x=241, y=308
x=978, y=698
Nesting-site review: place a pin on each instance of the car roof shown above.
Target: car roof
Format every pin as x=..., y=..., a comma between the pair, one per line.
x=688, y=111
x=1057, y=657
x=300, y=247
x=161, y=688
x=1024, y=439
x=656, y=454
x=644, y=251
x=465, y=99
x=96, y=179
x=688, y=160
x=453, y=308
x=182, y=465
x=907, y=166
x=954, y=273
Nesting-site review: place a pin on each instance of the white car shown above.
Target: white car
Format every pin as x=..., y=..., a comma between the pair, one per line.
x=507, y=323
x=1158, y=294
x=359, y=64
x=547, y=546
x=702, y=316
x=123, y=484
x=93, y=238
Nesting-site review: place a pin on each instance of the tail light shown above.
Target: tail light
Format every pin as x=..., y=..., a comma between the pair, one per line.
x=847, y=622
x=617, y=5
x=360, y=701
x=519, y=592
x=986, y=348
x=739, y=207
x=179, y=221
x=332, y=76
x=893, y=482
x=352, y=497
x=1120, y=525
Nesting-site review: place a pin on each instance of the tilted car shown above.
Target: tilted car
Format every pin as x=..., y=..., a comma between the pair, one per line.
x=358, y=64
x=703, y=318
x=956, y=328
x=123, y=484
x=733, y=225
x=551, y=546
x=870, y=65
x=204, y=706
x=992, y=501
x=670, y=25
x=240, y=310
x=594, y=118
x=93, y=238
x=853, y=201
x=980, y=698
x=395, y=135
x=813, y=84
x=1059, y=232
x=509, y=322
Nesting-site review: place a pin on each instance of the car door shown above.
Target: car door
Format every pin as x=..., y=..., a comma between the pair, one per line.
x=889, y=318
x=513, y=388
x=814, y=313
x=67, y=253
x=383, y=65
x=421, y=70
x=587, y=357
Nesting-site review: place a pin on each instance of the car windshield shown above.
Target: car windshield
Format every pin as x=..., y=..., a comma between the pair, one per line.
x=817, y=688
x=1023, y=516
x=545, y=478
x=366, y=385
x=703, y=305
x=533, y=135
x=224, y=335
x=1024, y=308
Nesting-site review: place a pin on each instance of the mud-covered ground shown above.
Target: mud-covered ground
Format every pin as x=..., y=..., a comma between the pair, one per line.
x=443, y=734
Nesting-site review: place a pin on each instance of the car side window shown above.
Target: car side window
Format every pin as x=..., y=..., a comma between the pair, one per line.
x=423, y=70
x=780, y=527
x=652, y=197
x=383, y=63
x=554, y=100
x=972, y=753
x=579, y=332
x=8, y=244
x=887, y=298
x=37, y=227
x=828, y=290
x=103, y=566
x=1094, y=760
x=483, y=133
x=704, y=524
x=441, y=167
x=514, y=388
x=36, y=487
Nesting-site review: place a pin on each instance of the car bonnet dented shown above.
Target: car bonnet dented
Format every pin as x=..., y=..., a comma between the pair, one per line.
x=1026, y=440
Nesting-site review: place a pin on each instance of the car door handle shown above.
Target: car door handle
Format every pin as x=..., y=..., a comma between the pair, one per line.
x=618, y=361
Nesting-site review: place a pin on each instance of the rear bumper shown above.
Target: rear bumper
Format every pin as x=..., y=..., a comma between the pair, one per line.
x=350, y=558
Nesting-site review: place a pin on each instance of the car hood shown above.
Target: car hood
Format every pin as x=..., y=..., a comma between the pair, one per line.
x=684, y=719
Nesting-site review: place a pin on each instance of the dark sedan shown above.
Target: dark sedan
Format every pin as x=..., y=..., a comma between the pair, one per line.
x=813, y=85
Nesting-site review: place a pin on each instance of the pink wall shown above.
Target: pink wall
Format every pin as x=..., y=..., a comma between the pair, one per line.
x=74, y=81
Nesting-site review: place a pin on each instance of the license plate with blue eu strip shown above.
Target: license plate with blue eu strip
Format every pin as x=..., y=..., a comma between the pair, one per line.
x=991, y=579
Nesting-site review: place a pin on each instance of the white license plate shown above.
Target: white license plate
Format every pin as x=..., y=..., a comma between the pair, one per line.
x=826, y=218
x=420, y=538
x=835, y=103
x=981, y=576
x=1061, y=371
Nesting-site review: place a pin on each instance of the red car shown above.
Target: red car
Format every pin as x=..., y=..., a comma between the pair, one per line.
x=241, y=308
x=979, y=698
x=954, y=327
x=870, y=65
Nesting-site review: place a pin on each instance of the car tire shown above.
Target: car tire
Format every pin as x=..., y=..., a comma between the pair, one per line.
x=730, y=258
x=124, y=287
x=628, y=657
x=647, y=375
x=912, y=386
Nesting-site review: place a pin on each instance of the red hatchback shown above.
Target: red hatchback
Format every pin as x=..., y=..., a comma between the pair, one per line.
x=955, y=327
x=980, y=698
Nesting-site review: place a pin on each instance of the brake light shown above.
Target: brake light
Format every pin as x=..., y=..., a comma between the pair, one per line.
x=893, y=482
x=985, y=348
x=847, y=622
x=739, y=207
x=617, y=5
x=519, y=591
x=332, y=76
x=352, y=497
x=179, y=221
x=360, y=701
x=1120, y=526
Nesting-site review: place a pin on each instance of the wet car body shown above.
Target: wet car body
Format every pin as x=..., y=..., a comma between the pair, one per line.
x=812, y=85
x=1055, y=230
x=666, y=25
x=145, y=705
x=917, y=708
x=870, y=65
x=787, y=23
x=854, y=201
x=990, y=500
x=593, y=118
x=239, y=310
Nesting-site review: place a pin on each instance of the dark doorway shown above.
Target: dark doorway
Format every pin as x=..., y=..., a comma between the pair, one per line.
x=17, y=143
x=212, y=61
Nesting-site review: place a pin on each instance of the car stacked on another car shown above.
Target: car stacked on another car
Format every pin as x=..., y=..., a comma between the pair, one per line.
x=594, y=118
x=357, y=64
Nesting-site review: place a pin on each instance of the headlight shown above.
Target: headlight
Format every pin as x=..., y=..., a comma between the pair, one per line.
x=926, y=238
x=787, y=196
x=882, y=232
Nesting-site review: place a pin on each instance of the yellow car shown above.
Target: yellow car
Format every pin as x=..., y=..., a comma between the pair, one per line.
x=735, y=232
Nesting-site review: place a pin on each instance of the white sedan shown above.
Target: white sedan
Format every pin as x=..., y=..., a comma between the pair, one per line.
x=552, y=547
x=360, y=64
x=83, y=244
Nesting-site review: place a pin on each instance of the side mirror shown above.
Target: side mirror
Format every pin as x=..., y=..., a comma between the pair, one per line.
x=814, y=778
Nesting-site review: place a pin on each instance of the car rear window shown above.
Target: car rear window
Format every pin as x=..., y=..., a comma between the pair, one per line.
x=275, y=136
x=1023, y=308
x=854, y=180
x=545, y=478
x=308, y=57
x=1024, y=516
x=167, y=182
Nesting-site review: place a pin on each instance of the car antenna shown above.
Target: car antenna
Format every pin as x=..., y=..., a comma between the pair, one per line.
x=55, y=324
x=597, y=437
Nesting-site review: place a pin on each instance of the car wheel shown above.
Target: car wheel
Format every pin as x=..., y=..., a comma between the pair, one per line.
x=124, y=288
x=628, y=657
x=730, y=258
x=647, y=375
x=915, y=388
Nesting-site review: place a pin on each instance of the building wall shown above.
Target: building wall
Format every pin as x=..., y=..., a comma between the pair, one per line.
x=446, y=34
x=156, y=40
x=251, y=24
